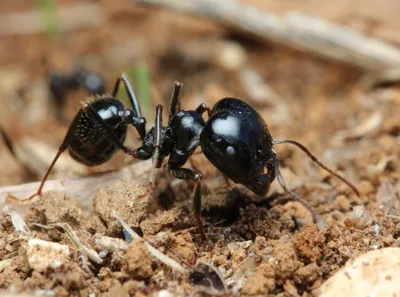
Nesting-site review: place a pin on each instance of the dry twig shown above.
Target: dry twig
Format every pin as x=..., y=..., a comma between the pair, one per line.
x=293, y=29
x=92, y=254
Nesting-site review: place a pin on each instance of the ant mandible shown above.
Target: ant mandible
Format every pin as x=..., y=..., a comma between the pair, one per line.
x=235, y=139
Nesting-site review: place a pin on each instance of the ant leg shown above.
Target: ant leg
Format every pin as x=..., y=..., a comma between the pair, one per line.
x=202, y=108
x=131, y=94
x=141, y=123
x=64, y=145
x=312, y=157
x=188, y=174
x=157, y=145
x=175, y=105
x=316, y=217
x=67, y=140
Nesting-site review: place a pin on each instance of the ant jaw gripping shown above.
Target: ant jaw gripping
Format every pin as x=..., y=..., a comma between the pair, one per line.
x=312, y=157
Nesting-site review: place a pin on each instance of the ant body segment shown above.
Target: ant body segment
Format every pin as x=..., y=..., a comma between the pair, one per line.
x=235, y=139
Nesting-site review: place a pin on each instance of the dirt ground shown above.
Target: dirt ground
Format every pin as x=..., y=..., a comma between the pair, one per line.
x=260, y=248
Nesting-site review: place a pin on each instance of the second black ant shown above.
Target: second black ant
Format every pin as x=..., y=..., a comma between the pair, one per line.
x=235, y=139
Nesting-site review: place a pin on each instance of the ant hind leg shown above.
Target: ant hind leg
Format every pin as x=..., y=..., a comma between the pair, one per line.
x=64, y=145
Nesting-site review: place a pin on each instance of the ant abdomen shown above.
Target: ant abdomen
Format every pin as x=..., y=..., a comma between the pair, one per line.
x=90, y=143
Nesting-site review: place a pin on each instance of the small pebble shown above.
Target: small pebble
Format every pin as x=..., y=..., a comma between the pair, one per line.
x=44, y=254
x=375, y=273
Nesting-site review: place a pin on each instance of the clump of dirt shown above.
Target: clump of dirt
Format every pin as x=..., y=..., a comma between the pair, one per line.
x=137, y=261
x=54, y=207
x=181, y=246
x=130, y=201
x=309, y=243
x=175, y=219
x=264, y=251
x=261, y=282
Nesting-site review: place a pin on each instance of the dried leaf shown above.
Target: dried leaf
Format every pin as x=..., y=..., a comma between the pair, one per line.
x=17, y=220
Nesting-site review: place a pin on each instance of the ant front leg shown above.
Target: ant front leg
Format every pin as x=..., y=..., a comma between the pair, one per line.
x=137, y=119
x=188, y=174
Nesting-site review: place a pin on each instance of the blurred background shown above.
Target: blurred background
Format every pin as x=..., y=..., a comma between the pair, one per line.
x=305, y=78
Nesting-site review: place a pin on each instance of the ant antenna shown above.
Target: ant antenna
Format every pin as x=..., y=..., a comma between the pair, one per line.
x=316, y=217
x=157, y=132
x=312, y=157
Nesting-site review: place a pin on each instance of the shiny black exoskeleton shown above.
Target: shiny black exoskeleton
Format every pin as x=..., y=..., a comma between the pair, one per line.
x=90, y=143
x=100, y=128
x=235, y=139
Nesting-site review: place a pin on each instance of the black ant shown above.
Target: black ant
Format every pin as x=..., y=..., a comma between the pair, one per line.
x=60, y=84
x=235, y=139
